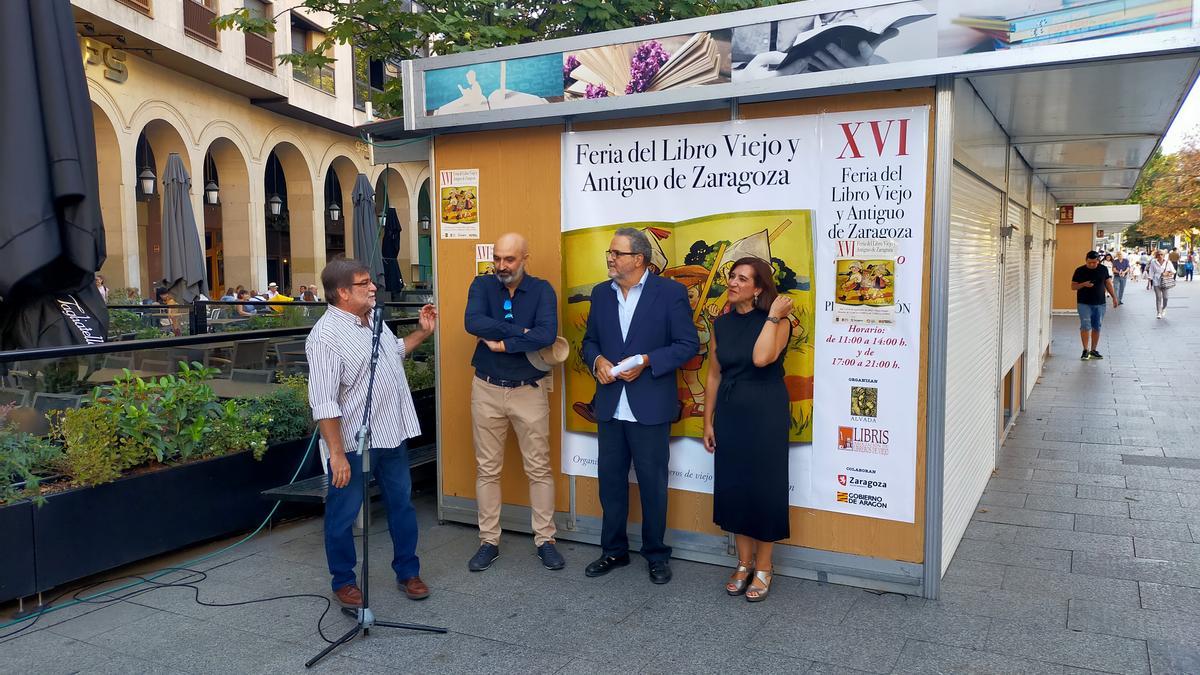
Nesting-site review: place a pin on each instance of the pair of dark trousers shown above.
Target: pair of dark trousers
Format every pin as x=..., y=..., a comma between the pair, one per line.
x=390, y=468
x=646, y=446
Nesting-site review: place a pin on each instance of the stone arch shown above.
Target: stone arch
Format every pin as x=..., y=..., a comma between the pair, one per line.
x=116, y=270
x=390, y=186
x=346, y=171
x=424, y=249
x=161, y=138
x=154, y=110
x=280, y=135
x=227, y=225
x=292, y=256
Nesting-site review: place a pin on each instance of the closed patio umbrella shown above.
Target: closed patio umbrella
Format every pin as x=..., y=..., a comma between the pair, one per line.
x=51, y=236
x=390, y=248
x=183, y=256
x=366, y=229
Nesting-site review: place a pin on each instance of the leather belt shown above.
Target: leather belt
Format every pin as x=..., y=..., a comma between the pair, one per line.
x=508, y=384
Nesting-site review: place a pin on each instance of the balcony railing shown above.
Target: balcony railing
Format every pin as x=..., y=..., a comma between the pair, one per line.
x=198, y=22
x=318, y=78
x=363, y=93
x=260, y=52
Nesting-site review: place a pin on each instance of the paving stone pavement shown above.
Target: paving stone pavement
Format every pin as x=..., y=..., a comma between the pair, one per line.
x=1083, y=556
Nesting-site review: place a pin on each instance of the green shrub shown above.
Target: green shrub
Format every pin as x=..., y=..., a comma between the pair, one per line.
x=419, y=374
x=123, y=322
x=285, y=412
x=24, y=460
x=136, y=421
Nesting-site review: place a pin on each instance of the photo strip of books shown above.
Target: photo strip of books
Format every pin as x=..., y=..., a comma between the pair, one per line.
x=864, y=34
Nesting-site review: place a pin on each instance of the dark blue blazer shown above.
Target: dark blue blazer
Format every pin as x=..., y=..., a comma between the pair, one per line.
x=661, y=327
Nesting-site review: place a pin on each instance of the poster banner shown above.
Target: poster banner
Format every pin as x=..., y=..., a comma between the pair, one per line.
x=459, y=203
x=869, y=270
x=708, y=194
x=842, y=35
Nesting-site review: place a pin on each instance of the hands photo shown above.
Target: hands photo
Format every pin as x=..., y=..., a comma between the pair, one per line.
x=428, y=318
x=710, y=439
x=604, y=371
x=339, y=470
x=633, y=372
x=781, y=307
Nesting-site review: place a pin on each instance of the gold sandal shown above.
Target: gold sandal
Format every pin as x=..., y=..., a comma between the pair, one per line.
x=763, y=577
x=736, y=586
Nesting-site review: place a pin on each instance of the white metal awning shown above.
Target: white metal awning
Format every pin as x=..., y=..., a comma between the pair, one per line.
x=1088, y=129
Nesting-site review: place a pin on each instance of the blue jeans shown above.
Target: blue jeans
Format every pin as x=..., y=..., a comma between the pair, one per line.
x=1119, y=287
x=1090, y=316
x=390, y=468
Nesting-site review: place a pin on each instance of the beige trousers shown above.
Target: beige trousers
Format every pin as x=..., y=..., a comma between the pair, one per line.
x=528, y=409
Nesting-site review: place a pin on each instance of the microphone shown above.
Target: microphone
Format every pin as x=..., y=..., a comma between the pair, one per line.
x=377, y=320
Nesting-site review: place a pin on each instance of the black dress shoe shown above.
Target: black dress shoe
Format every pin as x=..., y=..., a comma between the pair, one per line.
x=606, y=564
x=660, y=571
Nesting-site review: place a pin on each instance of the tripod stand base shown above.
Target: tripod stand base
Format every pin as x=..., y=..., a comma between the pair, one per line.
x=366, y=621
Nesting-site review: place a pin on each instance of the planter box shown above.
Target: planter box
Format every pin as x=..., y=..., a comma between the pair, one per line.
x=17, y=570
x=425, y=402
x=89, y=530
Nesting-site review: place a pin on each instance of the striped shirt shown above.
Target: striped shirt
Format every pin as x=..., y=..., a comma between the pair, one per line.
x=339, y=366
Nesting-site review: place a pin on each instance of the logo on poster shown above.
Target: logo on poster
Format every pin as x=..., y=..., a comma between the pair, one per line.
x=861, y=439
x=842, y=478
x=859, y=499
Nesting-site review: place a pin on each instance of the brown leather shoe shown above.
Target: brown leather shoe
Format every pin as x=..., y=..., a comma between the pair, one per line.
x=350, y=596
x=414, y=588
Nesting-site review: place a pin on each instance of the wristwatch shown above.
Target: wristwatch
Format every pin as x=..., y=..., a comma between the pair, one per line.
x=774, y=319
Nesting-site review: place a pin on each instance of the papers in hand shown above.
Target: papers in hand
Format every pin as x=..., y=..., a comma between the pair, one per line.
x=628, y=364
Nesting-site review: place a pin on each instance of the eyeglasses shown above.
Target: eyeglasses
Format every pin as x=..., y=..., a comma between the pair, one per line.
x=364, y=283
x=617, y=254
x=508, y=313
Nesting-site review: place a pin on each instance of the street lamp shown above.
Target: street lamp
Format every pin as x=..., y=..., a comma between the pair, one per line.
x=146, y=178
x=212, y=193
x=275, y=204
x=335, y=211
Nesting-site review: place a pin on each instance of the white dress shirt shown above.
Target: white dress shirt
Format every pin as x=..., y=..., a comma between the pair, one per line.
x=339, y=366
x=626, y=306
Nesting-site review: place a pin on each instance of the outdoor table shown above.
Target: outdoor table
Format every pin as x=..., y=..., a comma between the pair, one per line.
x=106, y=375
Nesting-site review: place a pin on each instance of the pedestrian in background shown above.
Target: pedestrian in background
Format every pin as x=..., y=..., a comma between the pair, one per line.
x=1120, y=270
x=1162, y=279
x=1189, y=266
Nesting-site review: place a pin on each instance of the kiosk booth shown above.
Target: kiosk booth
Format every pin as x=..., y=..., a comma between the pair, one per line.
x=901, y=165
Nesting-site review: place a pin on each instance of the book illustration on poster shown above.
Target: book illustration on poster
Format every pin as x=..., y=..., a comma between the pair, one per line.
x=1081, y=21
x=865, y=283
x=849, y=33
x=616, y=70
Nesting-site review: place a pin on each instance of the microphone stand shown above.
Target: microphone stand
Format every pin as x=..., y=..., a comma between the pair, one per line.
x=365, y=618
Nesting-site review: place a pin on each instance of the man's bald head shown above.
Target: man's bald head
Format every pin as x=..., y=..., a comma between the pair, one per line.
x=508, y=257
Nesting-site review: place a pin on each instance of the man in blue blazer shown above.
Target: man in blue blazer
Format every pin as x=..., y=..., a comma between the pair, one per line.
x=636, y=315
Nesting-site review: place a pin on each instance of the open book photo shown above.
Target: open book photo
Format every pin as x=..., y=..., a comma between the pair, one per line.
x=653, y=65
x=901, y=31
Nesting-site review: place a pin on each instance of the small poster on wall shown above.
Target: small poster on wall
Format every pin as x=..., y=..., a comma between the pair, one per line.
x=459, y=199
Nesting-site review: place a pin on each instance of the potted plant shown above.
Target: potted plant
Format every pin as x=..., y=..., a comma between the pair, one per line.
x=25, y=459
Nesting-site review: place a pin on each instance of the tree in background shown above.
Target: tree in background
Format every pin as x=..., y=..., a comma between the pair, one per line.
x=1169, y=192
x=387, y=30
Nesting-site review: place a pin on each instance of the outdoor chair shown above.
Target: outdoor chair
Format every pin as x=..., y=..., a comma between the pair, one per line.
x=118, y=361
x=44, y=403
x=18, y=397
x=290, y=364
x=247, y=375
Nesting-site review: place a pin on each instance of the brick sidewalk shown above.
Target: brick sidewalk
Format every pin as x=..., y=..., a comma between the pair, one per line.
x=1081, y=557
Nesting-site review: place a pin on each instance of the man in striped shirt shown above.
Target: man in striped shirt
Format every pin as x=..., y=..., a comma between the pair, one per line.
x=339, y=361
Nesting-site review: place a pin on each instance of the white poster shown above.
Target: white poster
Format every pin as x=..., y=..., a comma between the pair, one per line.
x=708, y=194
x=870, y=252
x=459, y=199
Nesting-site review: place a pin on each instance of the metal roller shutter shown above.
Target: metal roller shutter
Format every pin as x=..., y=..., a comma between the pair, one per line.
x=1036, y=296
x=972, y=383
x=1012, y=342
x=1048, y=286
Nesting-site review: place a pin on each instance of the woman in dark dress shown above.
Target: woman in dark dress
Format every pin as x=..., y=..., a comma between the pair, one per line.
x=747, y=422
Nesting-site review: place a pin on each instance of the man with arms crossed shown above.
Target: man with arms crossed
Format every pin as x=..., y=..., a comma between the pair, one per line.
x=339, y=361
x=637, y=315
x=1089, y=282
x=512, y=314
